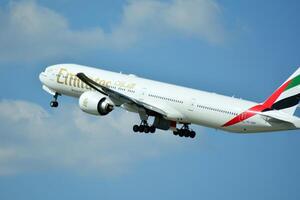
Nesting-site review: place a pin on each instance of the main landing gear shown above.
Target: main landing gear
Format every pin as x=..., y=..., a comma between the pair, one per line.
x=144, y=128
x=185, y=131
x=54, y=102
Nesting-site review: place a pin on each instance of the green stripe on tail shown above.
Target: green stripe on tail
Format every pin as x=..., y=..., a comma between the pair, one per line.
x=295, y=82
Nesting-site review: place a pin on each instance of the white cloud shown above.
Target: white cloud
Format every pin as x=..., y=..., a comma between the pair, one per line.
x=34, y=139
x=33, y=32
x=194, y=18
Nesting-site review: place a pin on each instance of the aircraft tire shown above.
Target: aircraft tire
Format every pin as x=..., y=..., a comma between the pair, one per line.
x=141, y=128
x=152, y=129
x=54, y=104
x=135, y=128
x=193, y=134
x=146, y=129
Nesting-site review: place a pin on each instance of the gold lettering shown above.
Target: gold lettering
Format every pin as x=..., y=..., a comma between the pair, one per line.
x=108, y=83
x=81, y=84
x=61, y=75
x=102, y=82
x=78, y=82
x=70, y=80
x=117, y=83
x=87, y=87
x=131, y=85
x=75, y=81
x=66, y=78
x=97, y=80
x=123, y=84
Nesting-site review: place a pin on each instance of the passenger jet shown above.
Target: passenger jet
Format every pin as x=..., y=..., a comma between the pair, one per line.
x=172, y=107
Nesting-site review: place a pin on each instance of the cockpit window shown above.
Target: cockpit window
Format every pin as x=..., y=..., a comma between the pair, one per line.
x=49, y=70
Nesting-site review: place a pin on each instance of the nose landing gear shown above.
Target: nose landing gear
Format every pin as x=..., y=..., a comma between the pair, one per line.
x=54, y=102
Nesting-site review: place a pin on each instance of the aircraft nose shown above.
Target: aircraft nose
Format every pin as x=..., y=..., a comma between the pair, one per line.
x=42, y=77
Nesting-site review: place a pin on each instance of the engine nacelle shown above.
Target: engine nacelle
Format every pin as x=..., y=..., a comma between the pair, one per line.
x=95, y=103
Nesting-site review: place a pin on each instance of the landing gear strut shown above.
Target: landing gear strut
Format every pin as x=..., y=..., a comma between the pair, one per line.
x=144, y=128
x=54, y=102
x=185, y=131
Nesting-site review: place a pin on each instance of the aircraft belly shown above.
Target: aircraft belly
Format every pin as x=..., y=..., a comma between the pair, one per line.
x=257, y=124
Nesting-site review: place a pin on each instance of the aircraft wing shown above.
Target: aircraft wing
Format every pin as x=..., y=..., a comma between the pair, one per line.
x=117, y=95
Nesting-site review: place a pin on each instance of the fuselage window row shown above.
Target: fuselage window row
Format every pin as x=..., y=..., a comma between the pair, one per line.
x=216, y=110
x=165, y=98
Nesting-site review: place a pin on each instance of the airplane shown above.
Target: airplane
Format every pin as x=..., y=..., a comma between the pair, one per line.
x=172, y=107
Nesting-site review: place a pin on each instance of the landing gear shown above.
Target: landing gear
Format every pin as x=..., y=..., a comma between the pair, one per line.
x=144, y=128
x=185, y=131
x=54, y=102
x=136, y=128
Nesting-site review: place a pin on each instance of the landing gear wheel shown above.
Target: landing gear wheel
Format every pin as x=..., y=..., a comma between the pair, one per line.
x=135, y=128
x=54, y=104
x=180, y=133
x=146, y=129
x=141, y=128
x=193, y=134
x=185, y=131
x=152, y=129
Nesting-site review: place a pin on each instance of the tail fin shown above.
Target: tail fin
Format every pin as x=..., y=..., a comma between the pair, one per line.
x=286, y=98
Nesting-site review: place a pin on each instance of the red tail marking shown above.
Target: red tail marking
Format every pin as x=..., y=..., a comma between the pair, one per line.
x=258, y=108
x=271, y=100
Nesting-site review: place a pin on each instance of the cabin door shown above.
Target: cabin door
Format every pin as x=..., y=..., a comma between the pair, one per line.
x=192, y=105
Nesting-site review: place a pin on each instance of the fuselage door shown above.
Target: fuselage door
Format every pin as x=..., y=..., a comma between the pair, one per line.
x=142, y=94
x=192, y=104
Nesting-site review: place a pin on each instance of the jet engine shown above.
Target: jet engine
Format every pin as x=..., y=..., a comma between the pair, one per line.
x=95, y=103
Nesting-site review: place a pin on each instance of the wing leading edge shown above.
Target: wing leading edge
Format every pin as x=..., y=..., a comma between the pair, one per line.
x=117, y=96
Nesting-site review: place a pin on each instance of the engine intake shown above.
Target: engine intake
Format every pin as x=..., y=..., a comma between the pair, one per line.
x=95, y=103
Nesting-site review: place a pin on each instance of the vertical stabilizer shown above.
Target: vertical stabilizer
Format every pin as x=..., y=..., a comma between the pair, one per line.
x=286, y=98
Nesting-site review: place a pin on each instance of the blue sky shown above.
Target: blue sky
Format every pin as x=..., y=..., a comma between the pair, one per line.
x=241, y=48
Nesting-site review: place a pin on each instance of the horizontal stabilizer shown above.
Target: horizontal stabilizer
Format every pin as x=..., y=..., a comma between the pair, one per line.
x=275, y=116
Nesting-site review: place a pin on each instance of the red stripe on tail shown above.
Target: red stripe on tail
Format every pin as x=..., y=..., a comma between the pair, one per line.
x=258, y=108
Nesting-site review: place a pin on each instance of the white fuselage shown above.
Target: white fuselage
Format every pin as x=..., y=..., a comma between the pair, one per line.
x=182, y=104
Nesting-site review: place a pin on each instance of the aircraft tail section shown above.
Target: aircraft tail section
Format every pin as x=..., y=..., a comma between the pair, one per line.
x=286, y=98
